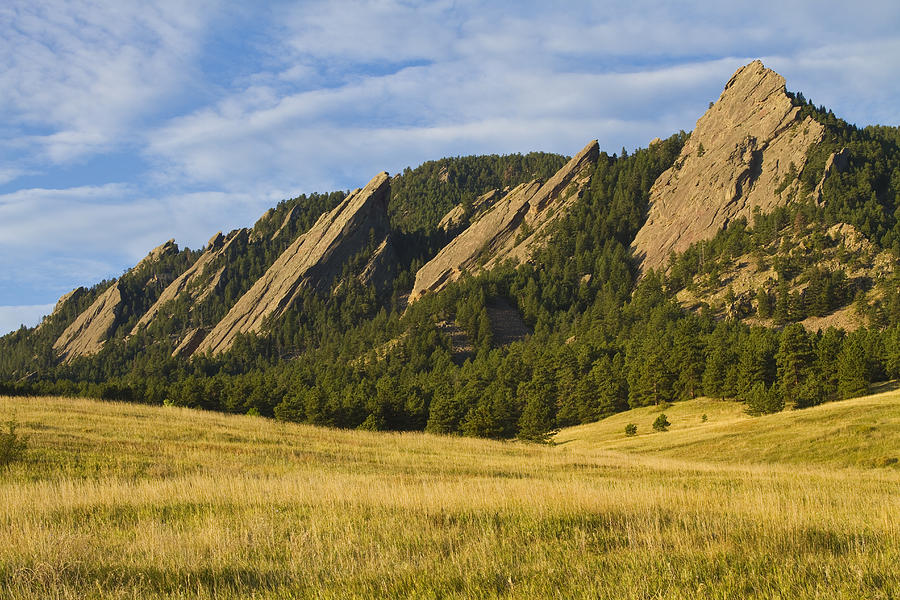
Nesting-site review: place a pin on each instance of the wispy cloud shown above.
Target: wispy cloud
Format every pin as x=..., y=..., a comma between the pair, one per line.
x=227, y=109
x=78, y=76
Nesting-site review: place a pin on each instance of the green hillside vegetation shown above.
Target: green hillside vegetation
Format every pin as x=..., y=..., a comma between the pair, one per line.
x=602, y=338
x=115, y=500
x=862, y=432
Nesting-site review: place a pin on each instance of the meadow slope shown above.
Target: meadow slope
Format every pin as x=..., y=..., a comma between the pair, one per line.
x=128, y=501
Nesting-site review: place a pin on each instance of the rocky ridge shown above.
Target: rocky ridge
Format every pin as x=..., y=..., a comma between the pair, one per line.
x=511, y=228
x=197, y=282
x=745, y=152
x=91, y=329
x=313, y=261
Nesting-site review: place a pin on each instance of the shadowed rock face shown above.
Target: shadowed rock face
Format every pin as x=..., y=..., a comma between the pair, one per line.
x=313, y=261
x=744, y=152
x=512, y=228
x=92, y=328
x=456, y=216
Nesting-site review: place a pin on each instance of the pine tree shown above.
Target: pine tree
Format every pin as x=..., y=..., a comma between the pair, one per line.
x=852, y=370
x=794, y=359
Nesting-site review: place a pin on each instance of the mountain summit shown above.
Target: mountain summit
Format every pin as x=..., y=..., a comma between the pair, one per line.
x=745, y=153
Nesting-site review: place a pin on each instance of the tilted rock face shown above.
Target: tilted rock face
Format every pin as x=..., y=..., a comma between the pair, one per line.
x=195, y=281
x=512, y=228
x=90, y=330
x=156, y=254
x=72, y=296
x=93, y=327
x=313, y=261
x=744, y=152
x=457, y=215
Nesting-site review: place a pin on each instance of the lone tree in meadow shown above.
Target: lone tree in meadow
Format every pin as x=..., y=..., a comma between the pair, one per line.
x=661, y=423
x=12, y=445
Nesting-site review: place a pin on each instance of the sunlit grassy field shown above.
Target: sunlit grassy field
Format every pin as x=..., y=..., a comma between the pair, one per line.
x=125, y=501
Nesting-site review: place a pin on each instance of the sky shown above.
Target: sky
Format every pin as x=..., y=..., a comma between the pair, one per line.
x=124, y=124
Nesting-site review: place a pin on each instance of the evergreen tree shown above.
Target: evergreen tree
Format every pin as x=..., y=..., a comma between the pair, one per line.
x=852, y=370
x=793, y=360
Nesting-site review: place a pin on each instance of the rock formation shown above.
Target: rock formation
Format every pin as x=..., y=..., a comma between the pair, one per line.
x=746, y=151
x=313, y=261
x=93, y=327
x=512, y=228
x=90, y=330
x=199, y=280
x=72, y=296
x=456, y=216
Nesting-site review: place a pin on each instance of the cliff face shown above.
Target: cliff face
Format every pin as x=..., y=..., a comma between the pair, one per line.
x=745, y=152
x=198, y=282
x=511, y=228
x=90, y=330
x=456, y=216
x=93, y=327
x=314, y=261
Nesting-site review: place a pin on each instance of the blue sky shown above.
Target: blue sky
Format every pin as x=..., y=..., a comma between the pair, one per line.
x=124, y=124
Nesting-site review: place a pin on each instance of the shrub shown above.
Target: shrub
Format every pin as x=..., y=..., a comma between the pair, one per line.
x=661, y=423
x=12, y=445
x=631, y=429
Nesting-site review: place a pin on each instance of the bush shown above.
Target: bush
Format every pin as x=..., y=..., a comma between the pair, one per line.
x=631, y=429
x=661, y=423
x=12, y=445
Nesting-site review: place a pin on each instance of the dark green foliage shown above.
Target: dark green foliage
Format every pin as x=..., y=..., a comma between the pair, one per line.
x=794, y=361
x=661, y=423
x=602, y=341
x=12, y=444
x=763, y=401
x=631, y=429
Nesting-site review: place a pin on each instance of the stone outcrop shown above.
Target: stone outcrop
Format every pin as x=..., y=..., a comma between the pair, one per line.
x=745, y=152
x=90, y=330
x=313, y=261
x=72, y=296
x=199, y=280
x=837, y=162
x=157, y=254
x=512, y=228
x=86, y=335
x=456, y=216
x=189, y=343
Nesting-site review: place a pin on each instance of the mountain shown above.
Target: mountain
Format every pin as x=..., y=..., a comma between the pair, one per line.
x=510, y=228
x=315, y=260
x=756, y=258
x=745, y=153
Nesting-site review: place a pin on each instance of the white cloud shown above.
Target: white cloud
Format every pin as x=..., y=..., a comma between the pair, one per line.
x=322, y=95
x=12, y=317
x=83, y=74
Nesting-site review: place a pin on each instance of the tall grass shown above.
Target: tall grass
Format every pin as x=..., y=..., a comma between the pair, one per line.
x=125, y=501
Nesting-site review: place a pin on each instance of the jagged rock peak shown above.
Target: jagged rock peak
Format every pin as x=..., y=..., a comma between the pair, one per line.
x=313, y=261
x=191, y=281
x=169, y=247
x=456, y=216
x=745, y=152
x=90, y=330
x=494, y=237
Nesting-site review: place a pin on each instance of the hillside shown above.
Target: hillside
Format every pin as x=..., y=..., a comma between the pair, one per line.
x=122, y=500
x=756, y=258
x=862, y=432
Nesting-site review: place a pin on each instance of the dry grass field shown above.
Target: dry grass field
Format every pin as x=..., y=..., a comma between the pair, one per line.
x=126, y=501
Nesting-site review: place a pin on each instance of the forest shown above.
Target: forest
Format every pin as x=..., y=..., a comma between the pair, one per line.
x=603, y=337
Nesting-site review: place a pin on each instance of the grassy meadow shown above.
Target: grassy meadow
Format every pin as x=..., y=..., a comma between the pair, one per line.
x=127, y=501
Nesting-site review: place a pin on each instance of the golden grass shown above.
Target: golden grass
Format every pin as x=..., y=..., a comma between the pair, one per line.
x=126, y=501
